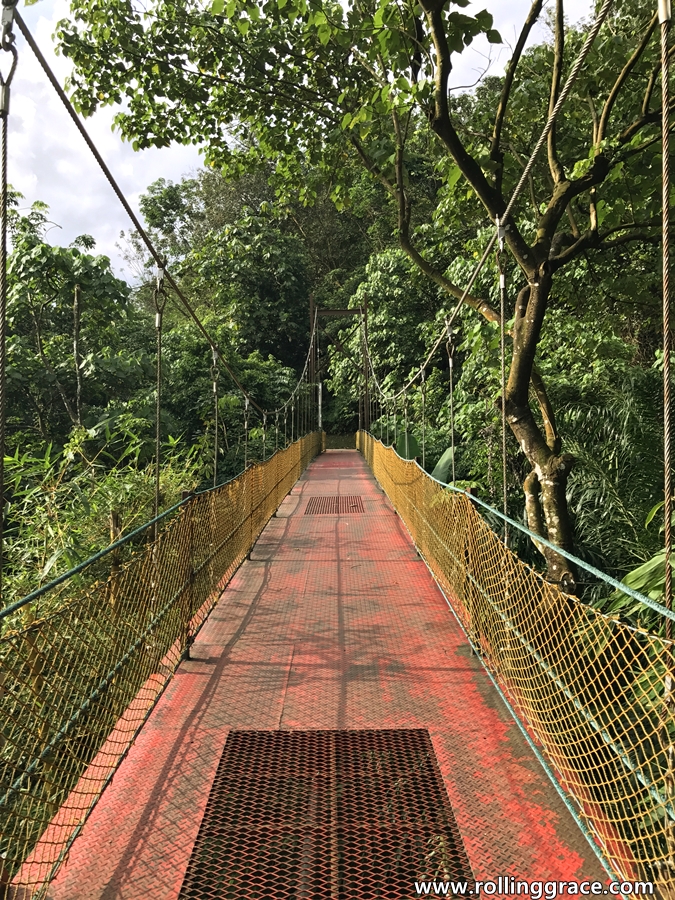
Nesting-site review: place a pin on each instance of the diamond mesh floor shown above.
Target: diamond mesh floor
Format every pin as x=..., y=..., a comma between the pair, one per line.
x=338, y=814
x=333, y=506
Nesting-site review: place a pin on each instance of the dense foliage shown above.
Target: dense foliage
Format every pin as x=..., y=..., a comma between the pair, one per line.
x=343, y=173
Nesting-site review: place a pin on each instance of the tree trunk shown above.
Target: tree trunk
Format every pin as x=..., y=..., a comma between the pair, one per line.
x=545, y=486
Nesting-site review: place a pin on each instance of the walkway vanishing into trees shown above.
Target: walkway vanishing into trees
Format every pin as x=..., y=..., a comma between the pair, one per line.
x=334, y=626
x=358, y=694
x=313, y=704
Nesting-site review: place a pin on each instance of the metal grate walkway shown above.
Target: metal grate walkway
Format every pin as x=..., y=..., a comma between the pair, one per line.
x=333, y=624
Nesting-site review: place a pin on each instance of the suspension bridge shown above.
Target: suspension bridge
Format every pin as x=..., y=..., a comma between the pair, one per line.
x=327, y=677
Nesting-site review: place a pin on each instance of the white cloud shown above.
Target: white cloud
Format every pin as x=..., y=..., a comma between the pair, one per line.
x=49, y=161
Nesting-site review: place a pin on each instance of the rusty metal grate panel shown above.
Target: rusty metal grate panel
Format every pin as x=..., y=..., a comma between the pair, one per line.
x=318, y=506
x=342, y=815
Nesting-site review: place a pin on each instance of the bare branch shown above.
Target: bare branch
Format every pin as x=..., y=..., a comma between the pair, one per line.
x=592, y=240
x=444, y=128
x=557, y=171
x=621, y=80
x=594, y=118
x=404, y=211
x=495, y=149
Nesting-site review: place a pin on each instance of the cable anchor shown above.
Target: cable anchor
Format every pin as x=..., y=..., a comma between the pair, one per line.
x=214, y=371
x=7, y=39
x=501, y=232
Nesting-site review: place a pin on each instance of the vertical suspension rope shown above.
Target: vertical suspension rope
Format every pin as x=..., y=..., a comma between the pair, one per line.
x=405, y=421
x=319, y=387
x=7, y=43
x=214, y=376
x=245, y=433
x=664, y=20
x=502, y=366
x=159, y=298
x=276, y=431
x=452, y=401
x=264, y=435
x=664, y=12
x=424, y=417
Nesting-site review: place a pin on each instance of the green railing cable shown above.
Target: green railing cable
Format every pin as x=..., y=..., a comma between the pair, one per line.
x=617, y=585
x=80, y=567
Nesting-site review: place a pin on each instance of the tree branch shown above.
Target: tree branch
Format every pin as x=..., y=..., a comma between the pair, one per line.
x=557, y=171
x=443, y=127
x=373, y=168
x=495, y=148
x=442, y=124
x=547, y=413
x=593, y=240
x=621, y=80
x=594, y=118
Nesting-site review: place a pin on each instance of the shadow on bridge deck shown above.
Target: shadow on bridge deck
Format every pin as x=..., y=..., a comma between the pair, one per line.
x=333, y=623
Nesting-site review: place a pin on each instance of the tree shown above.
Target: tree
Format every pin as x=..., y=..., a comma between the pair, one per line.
x=315, y=87
x=75, y=341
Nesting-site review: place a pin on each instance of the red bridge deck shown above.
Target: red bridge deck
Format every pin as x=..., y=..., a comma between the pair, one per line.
x=334, y=623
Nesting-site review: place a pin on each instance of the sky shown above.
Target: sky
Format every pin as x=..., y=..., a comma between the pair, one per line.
x=48, y=160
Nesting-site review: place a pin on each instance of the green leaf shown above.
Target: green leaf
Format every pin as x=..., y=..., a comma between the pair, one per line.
x=407, y=446
x=453, y=177
x=442, y=467
x=653, y=511
x=53, y=559
x=217, y=7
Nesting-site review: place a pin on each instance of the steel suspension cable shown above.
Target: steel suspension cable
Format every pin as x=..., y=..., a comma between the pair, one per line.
x=129, y=211
x=159, y=299
x=502, y=369
x=7, y=44
x=405, y=420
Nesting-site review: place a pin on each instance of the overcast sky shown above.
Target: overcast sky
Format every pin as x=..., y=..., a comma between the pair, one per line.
x=48, y=160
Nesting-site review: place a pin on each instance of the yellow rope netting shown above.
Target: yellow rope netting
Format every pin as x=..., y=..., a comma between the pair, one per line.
x=77, y=684
x=593, y=693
